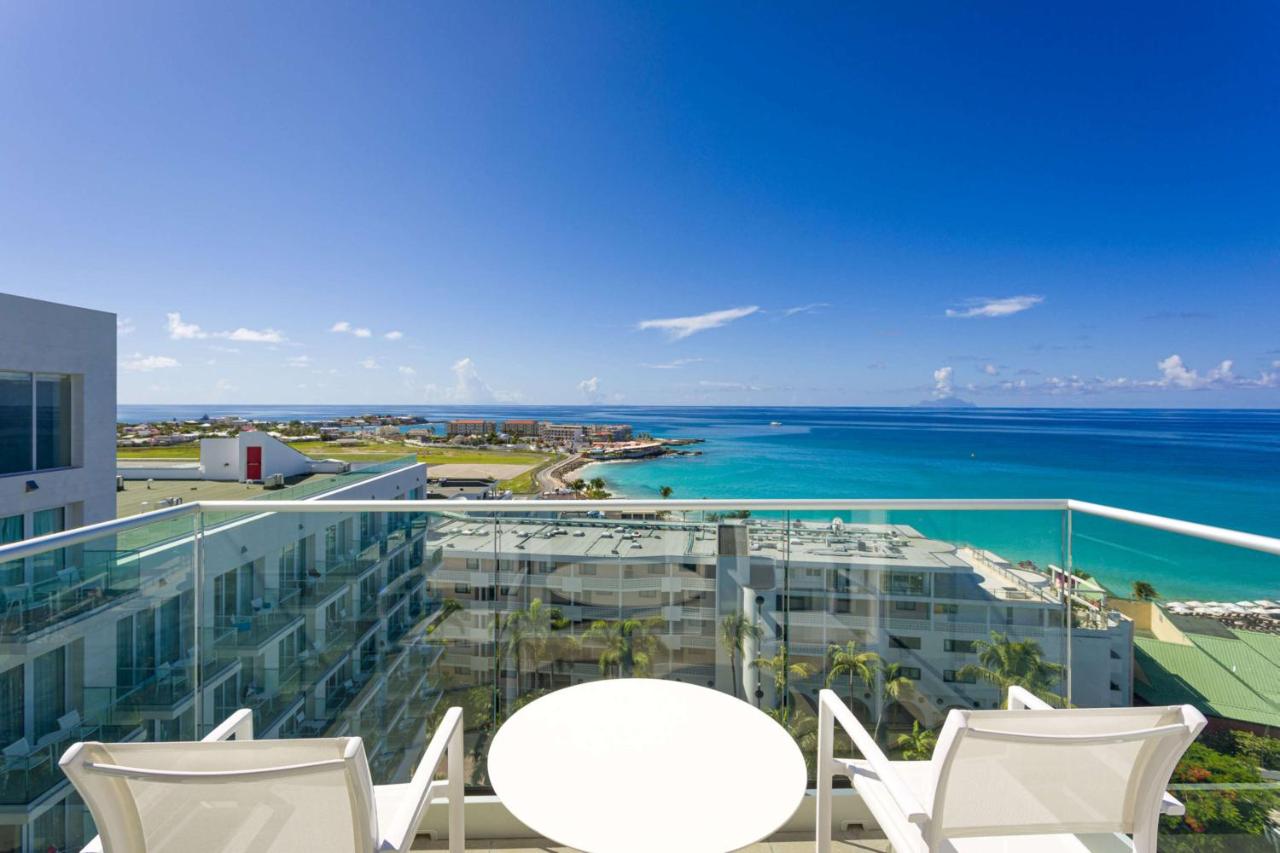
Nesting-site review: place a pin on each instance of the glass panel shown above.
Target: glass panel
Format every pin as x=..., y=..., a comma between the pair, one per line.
x=11, y=572
x=53, y=421
x=44, y=522
x=15, y=422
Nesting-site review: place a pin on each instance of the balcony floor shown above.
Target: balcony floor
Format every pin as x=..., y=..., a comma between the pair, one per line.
x=786, y=842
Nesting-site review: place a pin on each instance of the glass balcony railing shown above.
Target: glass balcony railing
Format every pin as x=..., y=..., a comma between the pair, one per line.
x=327, y=619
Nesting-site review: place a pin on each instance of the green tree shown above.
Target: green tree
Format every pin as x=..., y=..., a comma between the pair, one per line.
x=448, y=607
x=803, y=728
x=597, y=484
x=782, y=669
x=852, y=664
x=735, y=629
x=629, y=645
x=918, y=744
x=578, y=485
x=1221, y=817
x=1007, y=663
x=1144, y=591
x=528, y=635
x=666, y=491
x=894, y=687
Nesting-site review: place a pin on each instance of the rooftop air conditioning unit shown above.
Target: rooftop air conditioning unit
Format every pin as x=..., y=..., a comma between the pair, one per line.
x=119, y=482
x=274, y=481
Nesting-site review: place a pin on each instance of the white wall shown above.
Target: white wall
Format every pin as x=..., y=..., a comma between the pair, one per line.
x=44, y=337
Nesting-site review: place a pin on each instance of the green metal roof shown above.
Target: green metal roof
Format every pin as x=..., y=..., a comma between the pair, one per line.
x=1235, y=677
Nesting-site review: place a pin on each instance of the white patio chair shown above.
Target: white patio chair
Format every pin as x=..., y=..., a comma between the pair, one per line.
x=245, y=795
x=1027, y=778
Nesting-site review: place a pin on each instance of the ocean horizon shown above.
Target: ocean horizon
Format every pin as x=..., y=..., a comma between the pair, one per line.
x=1214, y=466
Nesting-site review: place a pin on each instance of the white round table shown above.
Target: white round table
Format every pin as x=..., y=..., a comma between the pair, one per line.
x=640, y=765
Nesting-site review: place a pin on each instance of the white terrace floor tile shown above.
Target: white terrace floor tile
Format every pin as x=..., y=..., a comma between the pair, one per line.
x=783, y=843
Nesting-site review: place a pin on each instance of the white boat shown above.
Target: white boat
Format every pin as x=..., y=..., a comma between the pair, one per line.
x=775, y=423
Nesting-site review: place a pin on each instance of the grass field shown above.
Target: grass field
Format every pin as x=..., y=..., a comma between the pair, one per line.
x=368, y=452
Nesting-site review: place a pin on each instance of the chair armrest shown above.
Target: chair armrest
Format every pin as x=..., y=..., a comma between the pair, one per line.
x=1021, y=698
x=398, y=832
x=1171, y=805
x=865, y=744
x=239, y=725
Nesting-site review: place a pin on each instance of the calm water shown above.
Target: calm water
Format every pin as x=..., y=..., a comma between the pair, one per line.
x=1216, y=467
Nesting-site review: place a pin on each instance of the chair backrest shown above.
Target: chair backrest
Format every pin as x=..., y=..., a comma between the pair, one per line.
x=69, y=720
x=312, y=794
x=20, y=748
x=1064, y=770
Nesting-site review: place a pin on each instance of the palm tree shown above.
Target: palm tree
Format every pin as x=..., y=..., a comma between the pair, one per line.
x=918, y=744
x=666, y=491
x=448, y=607
x=894, y=687
x=850, y=663
x=1007, y=663
x=578, y=485
x=782, y=670
x=1144, y=591
x=529, y=633
x=597, y=484
x=629, y=645
x=734, y=631
x=803, y=728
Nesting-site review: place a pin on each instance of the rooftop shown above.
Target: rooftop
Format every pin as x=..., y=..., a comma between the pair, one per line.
x=140, y=496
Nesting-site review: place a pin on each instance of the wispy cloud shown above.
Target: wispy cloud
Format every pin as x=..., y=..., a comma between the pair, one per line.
x=677, y=328
x=713, y=385
x=990, y=369
x=139, y=363
x=361, y=332
x=986, y=307
x=1174, y=377
x=180, y=330
x=468, y=387
x=124, y=326
x=344, y=327
x=590, y=388
x=299, y=361
x=369, y=363
x=805, y=309
x=394, y=335
x=674, y=364
x=942, y=387
x=340, y=326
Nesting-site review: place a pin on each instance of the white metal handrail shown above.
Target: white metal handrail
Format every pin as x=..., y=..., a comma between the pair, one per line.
x=1223, y=535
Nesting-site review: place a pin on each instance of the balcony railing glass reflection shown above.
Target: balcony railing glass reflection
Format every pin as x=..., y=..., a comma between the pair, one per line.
x=328, y=618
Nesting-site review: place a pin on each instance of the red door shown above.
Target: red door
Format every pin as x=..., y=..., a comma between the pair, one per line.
x=253, y=463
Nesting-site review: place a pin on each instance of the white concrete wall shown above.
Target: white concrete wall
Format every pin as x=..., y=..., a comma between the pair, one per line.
x=45, y=337
x=220, y=459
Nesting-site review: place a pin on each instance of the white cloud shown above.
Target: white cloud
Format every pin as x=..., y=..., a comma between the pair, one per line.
x=406, y=370
x=990, y=369
x=468, y=387
x=124, y=326
x=804, y=309
x=394, y=335
x=300, y=361
x=361, y=332
x=224, y=385
x=180, y=330
x=369, y=363
x=1176, y=374
x=1002, y=307
x=674, y=364
x=340, y=326
x=713, y=385
x=139, y=363
x=682, y=327
x=590, y=389
x=253, y=336
x=942, y=383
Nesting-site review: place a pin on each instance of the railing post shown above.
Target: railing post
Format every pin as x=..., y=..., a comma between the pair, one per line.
x=457, y=791
x=823, y=765
x=1071, y=580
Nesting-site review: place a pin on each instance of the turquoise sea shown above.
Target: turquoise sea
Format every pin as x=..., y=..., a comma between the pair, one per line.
x=1218, y=467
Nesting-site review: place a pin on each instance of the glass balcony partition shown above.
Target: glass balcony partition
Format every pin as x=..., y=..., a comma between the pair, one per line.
x=330, y=618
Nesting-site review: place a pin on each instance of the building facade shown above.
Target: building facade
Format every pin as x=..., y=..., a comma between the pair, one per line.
x=57, y=420
x=470, y=426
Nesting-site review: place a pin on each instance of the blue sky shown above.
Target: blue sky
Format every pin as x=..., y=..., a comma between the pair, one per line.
x=654, y=203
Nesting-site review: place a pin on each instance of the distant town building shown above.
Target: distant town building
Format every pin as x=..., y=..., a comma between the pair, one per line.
x=471, y=426
x=466, y=488
x=609, y=432
x=521, y=428
x=561, y=433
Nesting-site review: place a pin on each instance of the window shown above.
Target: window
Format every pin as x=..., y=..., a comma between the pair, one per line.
x=462, y=589
x=961, y=646
x=10, y=531
x=904, y=605
x=907, y=583
x=16, y=422
x=50, y=691
x=898, y=642
x=47, y=521
x=946, y=609
x=912, y=672
x=12, y=706
x=53, y=421
x=953, y=676
x=35, y=422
